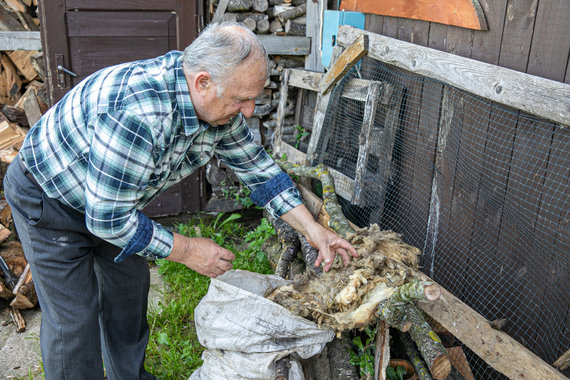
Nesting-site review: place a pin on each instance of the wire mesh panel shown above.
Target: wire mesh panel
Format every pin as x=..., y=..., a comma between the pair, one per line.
x=482, y=189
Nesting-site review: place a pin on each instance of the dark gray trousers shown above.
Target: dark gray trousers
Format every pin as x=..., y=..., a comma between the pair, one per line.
x=92, y=308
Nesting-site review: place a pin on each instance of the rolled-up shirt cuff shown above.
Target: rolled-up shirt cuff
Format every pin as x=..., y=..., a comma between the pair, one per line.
x=150, y=240
x=278, y=195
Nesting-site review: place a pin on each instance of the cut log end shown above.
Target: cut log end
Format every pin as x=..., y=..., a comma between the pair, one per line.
x=432, y=292
x=441, y=367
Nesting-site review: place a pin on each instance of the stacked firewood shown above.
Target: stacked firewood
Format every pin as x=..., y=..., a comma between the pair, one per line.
x=277, y=17
x=22, y=87
x=22, y=103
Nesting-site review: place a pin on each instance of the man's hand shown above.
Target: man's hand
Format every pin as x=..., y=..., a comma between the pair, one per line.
x=201, y=255
x=327, y=242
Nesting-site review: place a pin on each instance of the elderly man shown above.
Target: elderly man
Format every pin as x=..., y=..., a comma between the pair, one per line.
x=95, y=159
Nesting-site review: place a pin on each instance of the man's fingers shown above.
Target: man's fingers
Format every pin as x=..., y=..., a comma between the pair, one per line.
x=227, y=255
x=341, y=243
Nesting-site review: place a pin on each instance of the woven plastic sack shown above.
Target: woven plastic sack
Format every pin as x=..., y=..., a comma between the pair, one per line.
x=245, y=333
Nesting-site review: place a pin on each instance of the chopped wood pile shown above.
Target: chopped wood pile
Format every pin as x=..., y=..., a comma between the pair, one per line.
x=22, y=103
x=263, y=17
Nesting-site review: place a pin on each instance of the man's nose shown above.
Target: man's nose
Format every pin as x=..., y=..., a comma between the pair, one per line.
x=248, y=107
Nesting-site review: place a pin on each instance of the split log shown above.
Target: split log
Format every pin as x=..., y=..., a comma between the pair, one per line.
x=294, y=29
x=260, y=5
x=249, y=23
x=263, y=26
x=15, y=115
x=292, y=13
x=18, y=320
x=10, y=135
x=16, y=5
x=275, y=26
x=25, y=296
x=239, y=5
x=12, y=80
x=9, y=21
x=289, y=243
x=382, y=350
x=22, y=59
x=29, y=103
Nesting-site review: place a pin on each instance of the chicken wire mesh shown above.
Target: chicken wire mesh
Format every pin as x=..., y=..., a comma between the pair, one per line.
x=480, y=188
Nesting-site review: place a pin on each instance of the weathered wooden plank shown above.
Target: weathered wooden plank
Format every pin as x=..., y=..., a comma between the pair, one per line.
x=517, y=35
x=308, y=80
x=552, y=229
x=423, y=169
x=283, y=96
x=115, y=24
x=20, y=41
x=486, y=45
x=364, y=141
x=550, y=42
x=293, y=155
x=350, y=57
x=220, y=10
x=462, y=13
x=125, y=5
x=314, y=16
x=320, y=110
x=414, y=31
x=285, y=45
x=496, y=348
x=509, y=87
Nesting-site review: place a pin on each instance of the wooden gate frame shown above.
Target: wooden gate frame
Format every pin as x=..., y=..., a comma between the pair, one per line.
x=505, y=86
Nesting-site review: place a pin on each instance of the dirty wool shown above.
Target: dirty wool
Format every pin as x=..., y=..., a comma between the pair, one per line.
x=346, y=297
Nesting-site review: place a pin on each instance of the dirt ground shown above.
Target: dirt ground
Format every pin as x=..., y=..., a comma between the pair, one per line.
x=20, y=352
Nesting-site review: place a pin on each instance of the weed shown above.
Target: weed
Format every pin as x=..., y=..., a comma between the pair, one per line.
x=174, y=351
x=300, y=134
x=363, y=356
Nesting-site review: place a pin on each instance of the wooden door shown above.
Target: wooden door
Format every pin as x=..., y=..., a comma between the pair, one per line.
x=83, y=36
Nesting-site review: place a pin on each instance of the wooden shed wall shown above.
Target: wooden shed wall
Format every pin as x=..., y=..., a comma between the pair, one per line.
x=531, y=36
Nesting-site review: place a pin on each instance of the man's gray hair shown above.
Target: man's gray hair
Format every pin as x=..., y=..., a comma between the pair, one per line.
x=219, y=50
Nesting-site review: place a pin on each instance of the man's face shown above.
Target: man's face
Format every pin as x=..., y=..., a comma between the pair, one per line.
x=239, y=95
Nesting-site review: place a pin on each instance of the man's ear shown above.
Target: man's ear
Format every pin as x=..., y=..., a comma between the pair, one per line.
x=202, y=82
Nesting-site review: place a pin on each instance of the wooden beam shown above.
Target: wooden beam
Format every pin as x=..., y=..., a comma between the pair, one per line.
x=220, y=10
x=20, y=41
x=285, y=45
x=496, y=348
x=345, y=62
x=539, y=96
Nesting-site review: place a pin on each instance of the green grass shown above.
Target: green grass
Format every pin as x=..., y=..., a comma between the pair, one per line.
x=174, y=351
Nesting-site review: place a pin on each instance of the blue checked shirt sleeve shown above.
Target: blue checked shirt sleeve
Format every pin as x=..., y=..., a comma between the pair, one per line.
x=270, y=187
x=120, y=165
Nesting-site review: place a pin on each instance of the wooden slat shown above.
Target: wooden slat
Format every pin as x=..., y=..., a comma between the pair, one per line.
x=320, y=109
x=293, y=155
x=550, y=40
x=285, y=45
x=307, y=80
x=350, y=57
x=364, y=141
x=135, y=5
x=220, y=10
x=314, y=17
x=20, y=41
x=462, y=13
x=118, y=24
x=517, y=36
x=499, y=84
x=283, y=96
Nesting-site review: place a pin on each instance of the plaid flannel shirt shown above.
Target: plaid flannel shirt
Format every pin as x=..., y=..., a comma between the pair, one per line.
x=126, y=134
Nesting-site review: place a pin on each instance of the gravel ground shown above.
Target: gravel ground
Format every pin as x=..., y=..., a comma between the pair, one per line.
x=20, y=352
